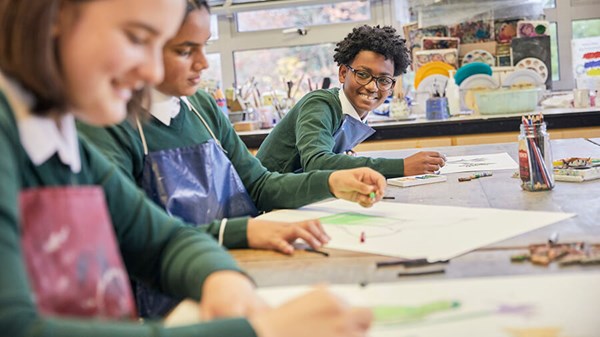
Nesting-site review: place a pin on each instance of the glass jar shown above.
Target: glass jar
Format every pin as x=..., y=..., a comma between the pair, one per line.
x=535, y=157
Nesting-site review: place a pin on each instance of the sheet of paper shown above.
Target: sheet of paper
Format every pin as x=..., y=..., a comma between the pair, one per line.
x=412, y=231
x=549, y=305
x=483, y=162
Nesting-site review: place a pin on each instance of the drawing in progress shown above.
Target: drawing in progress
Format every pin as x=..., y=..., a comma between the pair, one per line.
x=488, y=162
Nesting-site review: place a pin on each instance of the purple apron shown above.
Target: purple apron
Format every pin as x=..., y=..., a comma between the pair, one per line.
x=72, y=258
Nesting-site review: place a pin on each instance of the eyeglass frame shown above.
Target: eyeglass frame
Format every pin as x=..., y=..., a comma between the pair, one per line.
x=373, y=78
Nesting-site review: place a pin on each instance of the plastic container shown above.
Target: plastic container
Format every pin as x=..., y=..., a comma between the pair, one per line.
x=506, y=101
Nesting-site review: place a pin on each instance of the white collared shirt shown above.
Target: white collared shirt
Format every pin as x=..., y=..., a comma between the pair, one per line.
x=348, y=108
x=41, y=136
x=165, y=107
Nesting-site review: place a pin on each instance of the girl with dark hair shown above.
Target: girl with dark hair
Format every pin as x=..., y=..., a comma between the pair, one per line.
x=325, y=125
x=190, y=161
x=73, y=229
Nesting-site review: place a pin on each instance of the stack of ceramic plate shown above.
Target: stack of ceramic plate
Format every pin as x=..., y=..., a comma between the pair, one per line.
x=523, y=77
x=479, y=81
x=471, y=69
x=430, y=69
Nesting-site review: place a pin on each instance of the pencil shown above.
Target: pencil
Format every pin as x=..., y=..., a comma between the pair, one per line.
x=311, y=250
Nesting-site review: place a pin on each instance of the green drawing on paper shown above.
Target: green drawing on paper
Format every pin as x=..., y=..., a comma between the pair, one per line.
x=351, y=219
x=406, y=314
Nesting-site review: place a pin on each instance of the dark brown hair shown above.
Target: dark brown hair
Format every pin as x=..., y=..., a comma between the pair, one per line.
x=382, y=40
x=28, y=51
x=141, y=98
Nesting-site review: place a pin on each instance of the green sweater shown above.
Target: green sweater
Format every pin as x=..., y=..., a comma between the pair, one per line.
x=304, y=139
x=151, y=244
x=269, y=190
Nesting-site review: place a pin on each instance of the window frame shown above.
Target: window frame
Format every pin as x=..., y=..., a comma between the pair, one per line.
x=230, y=40
x=383, y=12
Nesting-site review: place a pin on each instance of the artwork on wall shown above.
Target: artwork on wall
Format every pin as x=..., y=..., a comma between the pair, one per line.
x=449, y=56
x=429, y=43
x=505, y=30
x=532, y=28
x=473, y=31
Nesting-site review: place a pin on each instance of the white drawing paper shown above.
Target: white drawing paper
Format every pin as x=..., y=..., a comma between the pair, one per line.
x=548, y=305
x=413, y=231
x=482, y=162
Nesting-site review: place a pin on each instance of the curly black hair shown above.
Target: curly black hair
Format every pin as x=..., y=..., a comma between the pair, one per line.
x=381, y=40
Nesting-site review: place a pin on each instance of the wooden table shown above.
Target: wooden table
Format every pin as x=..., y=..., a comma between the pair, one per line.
x=499, y=191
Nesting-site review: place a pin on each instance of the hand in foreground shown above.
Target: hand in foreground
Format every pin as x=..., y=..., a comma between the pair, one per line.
x=279, y=236
x=357, y=185
x=423, y=162
x=316, y=314
x=229, y=294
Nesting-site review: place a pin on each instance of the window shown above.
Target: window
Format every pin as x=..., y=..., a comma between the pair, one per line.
x=350, y=11
x=214, y=28
x=212, y=76
x=554, y=51
x=277, y=66
x=550, y=4
x=586, y=28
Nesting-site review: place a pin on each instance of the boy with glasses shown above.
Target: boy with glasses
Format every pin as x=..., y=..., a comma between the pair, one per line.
x=325, y=125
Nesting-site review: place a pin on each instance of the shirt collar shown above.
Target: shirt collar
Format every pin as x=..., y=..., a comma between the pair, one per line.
x=348, y=108
x=40, y=136
x=166, y=107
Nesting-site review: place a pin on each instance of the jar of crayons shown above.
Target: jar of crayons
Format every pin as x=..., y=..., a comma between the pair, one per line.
x=535, y=155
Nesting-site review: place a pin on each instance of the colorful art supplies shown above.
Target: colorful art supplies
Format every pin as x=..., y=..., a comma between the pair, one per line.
x=565, y=254
x=421, y=179
x=532, y=28
x=479, y=55
x=534, y=64
x=576, y=169
x=535, y=156
x=476, y=175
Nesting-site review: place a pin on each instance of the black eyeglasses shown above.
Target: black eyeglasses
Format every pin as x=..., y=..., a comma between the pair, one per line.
x=364, y=77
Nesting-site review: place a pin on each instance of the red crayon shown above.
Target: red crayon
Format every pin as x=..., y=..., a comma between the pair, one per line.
x=362, y=237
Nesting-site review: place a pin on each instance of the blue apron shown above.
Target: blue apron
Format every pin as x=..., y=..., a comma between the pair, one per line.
x=351, y=133
x=198, y=184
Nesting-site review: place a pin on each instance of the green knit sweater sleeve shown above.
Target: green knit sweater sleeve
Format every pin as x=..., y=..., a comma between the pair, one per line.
x=123, y=146
x=151, y=242
x=268, y=190
x=318, y=119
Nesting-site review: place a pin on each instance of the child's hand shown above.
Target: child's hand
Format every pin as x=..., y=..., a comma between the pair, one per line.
x=279, y=236
x=318, y=313
x=423, y=162
x=229, y=294
x=362, y=185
